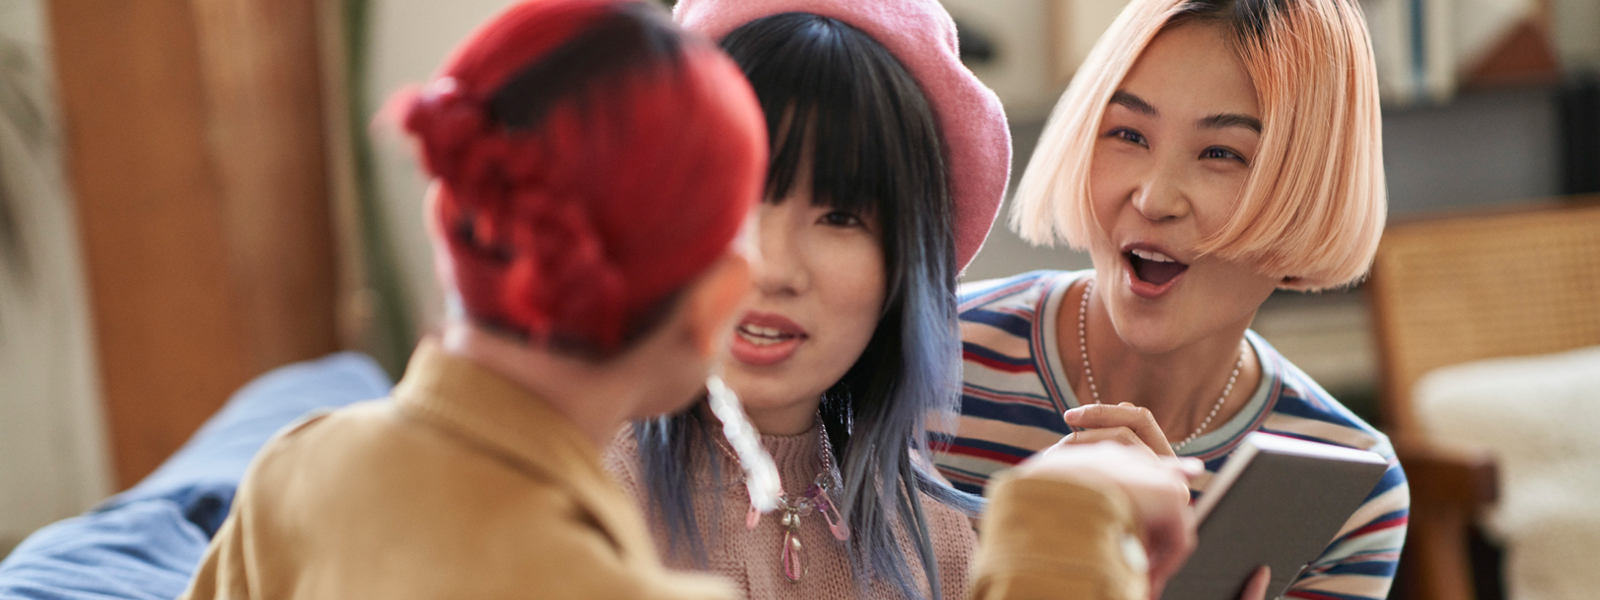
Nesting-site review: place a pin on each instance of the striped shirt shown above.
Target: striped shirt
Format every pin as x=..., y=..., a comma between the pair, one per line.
x=1015, y=390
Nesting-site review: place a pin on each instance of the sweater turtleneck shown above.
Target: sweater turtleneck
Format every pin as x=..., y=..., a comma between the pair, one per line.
x=752, y=558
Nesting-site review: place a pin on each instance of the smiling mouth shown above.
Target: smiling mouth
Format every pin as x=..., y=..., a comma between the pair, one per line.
x=1153, y=267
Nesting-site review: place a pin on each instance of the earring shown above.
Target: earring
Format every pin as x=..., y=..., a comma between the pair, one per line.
x=760, y=472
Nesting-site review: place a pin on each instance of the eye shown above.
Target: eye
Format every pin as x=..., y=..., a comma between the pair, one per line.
x=1218, y=152
x=841, y=218
x=1129, y=135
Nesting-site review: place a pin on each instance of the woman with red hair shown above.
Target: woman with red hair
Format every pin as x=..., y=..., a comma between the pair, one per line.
x=592, y=167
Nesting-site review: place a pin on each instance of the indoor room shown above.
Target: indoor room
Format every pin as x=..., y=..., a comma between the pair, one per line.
x=206, y=204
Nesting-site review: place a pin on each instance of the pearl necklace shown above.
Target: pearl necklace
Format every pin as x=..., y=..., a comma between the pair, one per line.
x=1083, y=348
x=815, y=498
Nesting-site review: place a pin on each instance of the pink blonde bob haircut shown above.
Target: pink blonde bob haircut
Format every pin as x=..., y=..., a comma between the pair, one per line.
x=1314, y=204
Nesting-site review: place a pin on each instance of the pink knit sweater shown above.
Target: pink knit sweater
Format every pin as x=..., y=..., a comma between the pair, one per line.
x=750, y=558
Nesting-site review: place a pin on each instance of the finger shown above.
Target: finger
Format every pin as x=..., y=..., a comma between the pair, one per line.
x=1190, y=467
x=1120, y=435
x=1136, y=418
x=1170, y=539
x=1256, y=589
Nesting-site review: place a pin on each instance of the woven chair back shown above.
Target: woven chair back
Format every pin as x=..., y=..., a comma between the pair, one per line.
x=1458, y=289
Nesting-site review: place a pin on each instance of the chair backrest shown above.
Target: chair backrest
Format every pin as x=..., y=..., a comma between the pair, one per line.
x=1457, y=289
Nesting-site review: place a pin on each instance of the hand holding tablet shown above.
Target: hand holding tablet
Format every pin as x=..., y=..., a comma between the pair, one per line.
x=1279, y=502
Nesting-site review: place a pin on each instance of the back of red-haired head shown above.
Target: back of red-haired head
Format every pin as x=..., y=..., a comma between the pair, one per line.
x=594, y=160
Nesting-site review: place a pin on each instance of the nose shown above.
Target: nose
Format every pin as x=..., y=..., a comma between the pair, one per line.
x=1160, y=196
x=781, y=271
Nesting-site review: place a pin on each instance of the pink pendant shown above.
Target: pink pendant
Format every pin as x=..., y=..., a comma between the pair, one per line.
x=830, y=513
x=752, y=518
x=794, y=562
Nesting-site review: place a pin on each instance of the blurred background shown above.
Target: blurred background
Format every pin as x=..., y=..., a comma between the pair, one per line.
x=195, y=192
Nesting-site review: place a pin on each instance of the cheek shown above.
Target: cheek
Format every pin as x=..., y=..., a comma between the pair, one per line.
x=849, y=283
x=1113, y=178
x=1214, y=198
x=1106, y=189
x=1104, y=178
x=854, y=280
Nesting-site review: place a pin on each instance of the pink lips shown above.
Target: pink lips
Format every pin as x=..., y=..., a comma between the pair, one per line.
x=766, y=339
x=1150, y=279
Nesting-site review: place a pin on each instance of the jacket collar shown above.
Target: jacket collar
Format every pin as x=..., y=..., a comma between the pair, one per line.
x=506, y=421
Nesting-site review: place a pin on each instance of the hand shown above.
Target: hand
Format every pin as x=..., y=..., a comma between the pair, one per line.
x=1123, y=423
x=1256, y=588
x=1157, y=486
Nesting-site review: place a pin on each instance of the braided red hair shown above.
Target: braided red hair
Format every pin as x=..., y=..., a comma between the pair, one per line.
x=594, y=160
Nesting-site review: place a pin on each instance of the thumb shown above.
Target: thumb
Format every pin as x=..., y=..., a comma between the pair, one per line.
x=1256, y=589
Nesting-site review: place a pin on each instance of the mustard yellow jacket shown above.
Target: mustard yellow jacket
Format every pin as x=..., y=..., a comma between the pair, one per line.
x=463, y=485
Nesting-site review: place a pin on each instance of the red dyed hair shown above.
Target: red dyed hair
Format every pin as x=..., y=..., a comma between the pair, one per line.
x=594, y=161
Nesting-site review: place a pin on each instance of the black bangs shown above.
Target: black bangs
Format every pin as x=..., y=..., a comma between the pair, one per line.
x=829, y=89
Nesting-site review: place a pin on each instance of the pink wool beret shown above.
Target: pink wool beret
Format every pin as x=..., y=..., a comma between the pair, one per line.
x=923, y=37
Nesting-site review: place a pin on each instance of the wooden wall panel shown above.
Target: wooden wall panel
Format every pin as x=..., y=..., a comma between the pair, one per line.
x=196, y=156
x=262, y=76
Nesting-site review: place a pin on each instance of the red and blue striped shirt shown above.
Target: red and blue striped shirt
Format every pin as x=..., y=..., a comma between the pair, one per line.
x=1014, y=391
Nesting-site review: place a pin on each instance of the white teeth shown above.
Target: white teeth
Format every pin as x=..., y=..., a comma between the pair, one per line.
x=758, y=330
x=1153, y=256
x=757, y=340
x=762, y=336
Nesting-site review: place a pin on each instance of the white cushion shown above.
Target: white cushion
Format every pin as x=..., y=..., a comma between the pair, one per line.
x=1540, y=417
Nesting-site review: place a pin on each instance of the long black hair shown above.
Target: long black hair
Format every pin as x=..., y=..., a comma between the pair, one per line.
x=832, y=90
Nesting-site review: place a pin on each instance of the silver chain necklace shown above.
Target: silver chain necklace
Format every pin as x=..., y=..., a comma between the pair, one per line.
x=1083, y=348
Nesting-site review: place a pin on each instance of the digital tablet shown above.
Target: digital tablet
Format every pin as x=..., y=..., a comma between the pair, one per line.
x=1279, y=502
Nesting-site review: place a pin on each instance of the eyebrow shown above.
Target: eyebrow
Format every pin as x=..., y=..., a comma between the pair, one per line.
x=1231, y=120
x=1219, y=121
x=1134, y=103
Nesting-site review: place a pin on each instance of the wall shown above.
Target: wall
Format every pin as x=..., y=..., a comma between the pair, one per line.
x=409, y=40
x=53, y=461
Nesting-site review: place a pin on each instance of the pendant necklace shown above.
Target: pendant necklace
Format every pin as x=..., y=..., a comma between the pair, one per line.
x=1083, y=348
x=814, y=499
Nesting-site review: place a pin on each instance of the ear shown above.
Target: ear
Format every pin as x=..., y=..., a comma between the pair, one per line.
x=444, y=268
x=430, y=211
x=711, y=305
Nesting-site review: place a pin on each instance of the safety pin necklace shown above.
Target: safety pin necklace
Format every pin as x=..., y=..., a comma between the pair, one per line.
x=814, y=498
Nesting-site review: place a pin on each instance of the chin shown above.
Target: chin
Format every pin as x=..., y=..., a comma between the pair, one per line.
x=1150, y=339
x=1151, y=332
x=757, y=390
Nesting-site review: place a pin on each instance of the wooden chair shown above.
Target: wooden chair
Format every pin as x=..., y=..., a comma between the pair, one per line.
x=1463, y=288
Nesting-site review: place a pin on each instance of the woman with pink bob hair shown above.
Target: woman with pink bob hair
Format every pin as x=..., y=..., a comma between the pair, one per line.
x=1208, y=153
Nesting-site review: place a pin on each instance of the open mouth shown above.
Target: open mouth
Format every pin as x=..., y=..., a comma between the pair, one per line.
x=766, y=339
x=1154, y=267
x=763, y=336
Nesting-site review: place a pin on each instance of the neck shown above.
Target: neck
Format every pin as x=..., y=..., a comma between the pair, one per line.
x=597, y=397
x=1179, y=386
x=793, y=418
